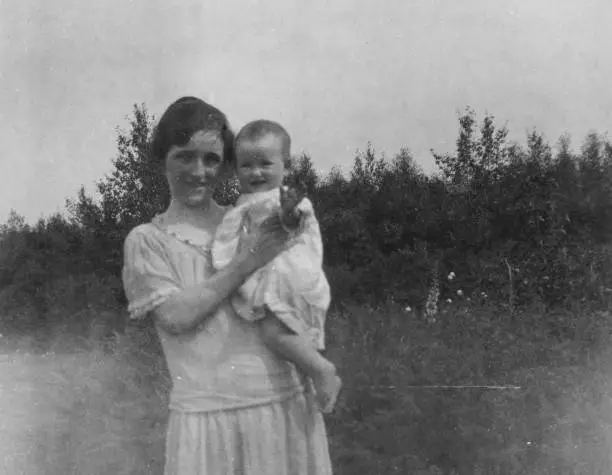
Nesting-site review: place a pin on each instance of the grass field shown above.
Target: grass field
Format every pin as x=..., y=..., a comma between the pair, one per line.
x=100, y=409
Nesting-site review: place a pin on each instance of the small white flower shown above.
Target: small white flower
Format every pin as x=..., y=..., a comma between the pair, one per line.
x=449, y=301
x=469, y=299
x=408, y=309
x=460, y=293
x=451, y=276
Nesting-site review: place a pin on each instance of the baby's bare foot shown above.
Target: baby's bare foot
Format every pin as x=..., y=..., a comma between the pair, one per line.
x=327, y=385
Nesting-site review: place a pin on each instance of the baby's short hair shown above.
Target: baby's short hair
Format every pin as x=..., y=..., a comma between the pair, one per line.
x=258, y=129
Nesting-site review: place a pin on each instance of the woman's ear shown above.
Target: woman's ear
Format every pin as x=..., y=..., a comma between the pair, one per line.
x=160, y=169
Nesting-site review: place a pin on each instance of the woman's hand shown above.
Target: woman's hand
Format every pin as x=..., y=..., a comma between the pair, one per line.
x=261, y=244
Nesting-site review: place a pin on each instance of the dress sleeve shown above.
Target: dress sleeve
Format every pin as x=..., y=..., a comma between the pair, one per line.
x=310, y=232
x=305, y=206
x=148, y=275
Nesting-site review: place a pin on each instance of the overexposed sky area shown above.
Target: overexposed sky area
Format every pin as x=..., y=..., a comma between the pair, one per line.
x=336, y=74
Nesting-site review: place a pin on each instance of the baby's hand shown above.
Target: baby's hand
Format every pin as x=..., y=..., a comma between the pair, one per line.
x=289, y=199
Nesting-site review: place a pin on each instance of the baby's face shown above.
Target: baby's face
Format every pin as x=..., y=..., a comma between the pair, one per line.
x=260, y=164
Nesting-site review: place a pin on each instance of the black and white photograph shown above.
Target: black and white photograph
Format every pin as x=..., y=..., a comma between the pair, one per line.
x=271, y=237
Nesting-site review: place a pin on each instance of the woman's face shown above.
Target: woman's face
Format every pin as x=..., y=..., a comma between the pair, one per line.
x=193, y=170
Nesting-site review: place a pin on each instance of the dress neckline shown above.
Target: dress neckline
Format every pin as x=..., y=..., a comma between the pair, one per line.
x=187, y=232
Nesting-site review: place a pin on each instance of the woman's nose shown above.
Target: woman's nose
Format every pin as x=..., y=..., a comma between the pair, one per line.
x=199, y=168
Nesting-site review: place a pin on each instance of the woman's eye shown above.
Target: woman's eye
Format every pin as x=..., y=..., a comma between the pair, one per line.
x=213, y=159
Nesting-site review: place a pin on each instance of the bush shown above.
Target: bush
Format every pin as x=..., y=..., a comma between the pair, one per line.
x=398, y=415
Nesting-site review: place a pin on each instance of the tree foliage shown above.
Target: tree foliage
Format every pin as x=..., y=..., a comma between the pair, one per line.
x=543, y=213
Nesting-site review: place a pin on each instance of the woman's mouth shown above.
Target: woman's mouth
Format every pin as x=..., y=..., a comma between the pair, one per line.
x=198, y=188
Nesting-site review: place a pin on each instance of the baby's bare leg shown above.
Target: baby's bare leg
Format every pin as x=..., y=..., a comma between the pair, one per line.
x=300, y=352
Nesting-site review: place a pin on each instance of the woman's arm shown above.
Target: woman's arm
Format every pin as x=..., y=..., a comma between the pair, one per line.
x=186, y=310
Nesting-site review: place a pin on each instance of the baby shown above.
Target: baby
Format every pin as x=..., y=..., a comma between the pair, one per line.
x=291, y=294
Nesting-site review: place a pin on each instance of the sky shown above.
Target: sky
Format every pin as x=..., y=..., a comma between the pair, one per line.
x=337, y=74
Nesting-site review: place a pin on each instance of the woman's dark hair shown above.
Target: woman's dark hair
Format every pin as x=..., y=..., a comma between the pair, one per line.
x=182, y=119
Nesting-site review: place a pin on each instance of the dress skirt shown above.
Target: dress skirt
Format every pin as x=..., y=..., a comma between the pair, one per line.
x=279, y=438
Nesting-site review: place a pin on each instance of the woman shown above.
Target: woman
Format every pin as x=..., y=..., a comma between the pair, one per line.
x=235, y=407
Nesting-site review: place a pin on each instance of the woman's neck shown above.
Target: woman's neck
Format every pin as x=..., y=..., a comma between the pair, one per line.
x=197, y=215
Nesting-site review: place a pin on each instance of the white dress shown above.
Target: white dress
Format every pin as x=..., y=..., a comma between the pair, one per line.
x=293, y=286
x=235, y=407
